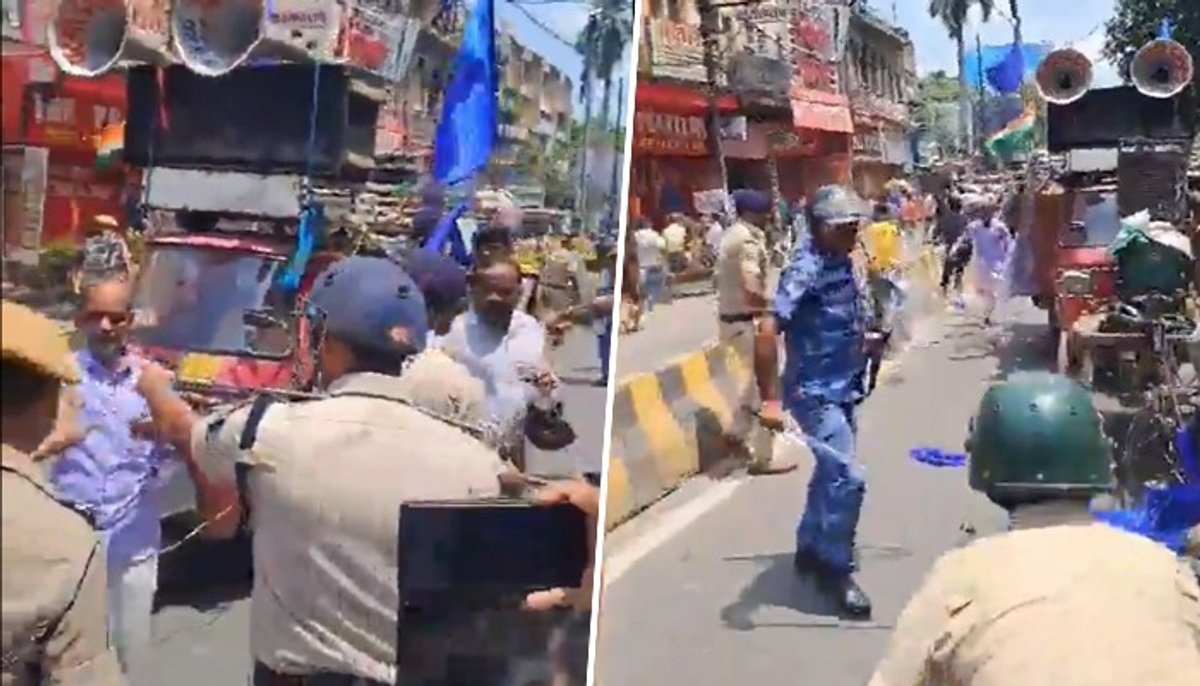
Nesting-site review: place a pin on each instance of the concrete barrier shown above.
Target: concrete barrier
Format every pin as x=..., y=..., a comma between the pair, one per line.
x=667, y=427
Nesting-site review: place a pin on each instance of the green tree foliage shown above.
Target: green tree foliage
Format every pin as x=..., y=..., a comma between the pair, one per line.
x=1136, y=22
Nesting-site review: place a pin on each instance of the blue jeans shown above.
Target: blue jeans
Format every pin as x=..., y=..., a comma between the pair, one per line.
x=603, y=345
x=837, y=486
x=653, y=279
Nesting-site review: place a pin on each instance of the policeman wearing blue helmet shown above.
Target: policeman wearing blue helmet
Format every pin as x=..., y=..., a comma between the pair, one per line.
x=820, y=308
x=325, y=479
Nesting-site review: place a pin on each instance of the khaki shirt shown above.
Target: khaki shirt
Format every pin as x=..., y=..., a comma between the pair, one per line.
x=741, y=267
x=558, y=268
x=436, y=382
x=54, y=587
x=1060, y=605
x=327, y=480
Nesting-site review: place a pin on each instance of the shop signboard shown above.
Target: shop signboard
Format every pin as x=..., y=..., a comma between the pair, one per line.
x=669, y=134
x=868, y=144
x=756, y=75
x=309, y=24
x=815, y=49
x=677, y=51
x=377, y=41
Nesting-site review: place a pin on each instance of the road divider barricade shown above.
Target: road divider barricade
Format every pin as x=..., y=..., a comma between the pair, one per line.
x=668, y=426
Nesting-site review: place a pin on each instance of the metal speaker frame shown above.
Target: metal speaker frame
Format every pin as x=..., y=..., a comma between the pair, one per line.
x=1064, y=76
x=89, y=38
x=214, y=37
x=1161, y=69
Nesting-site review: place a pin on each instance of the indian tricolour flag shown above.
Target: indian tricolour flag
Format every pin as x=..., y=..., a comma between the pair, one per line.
x=109, y=144
x=1014, y=136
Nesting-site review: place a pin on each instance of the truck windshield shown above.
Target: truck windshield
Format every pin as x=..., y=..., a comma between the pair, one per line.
x=211, y=300
x=1097, y=221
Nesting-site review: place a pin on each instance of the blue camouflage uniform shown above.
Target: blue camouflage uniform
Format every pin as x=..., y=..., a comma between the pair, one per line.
x=823, y=316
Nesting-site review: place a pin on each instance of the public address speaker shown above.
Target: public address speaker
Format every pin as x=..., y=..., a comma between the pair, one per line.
x=255, y=120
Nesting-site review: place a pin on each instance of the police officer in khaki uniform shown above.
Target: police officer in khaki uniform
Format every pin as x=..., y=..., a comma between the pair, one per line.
x=745, y=325
x=55, y=623
x=322, y=481
x=1060, y=600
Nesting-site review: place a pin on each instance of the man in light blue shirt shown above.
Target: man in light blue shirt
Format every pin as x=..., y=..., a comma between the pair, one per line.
x=503, y=347
x=113, y=474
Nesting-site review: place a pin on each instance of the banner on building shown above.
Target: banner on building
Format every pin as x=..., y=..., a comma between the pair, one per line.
x=754, y=75
x=677, y=51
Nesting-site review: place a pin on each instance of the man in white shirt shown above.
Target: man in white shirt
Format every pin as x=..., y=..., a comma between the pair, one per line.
x=675, y=236
x=651, y=253
x=503, y=347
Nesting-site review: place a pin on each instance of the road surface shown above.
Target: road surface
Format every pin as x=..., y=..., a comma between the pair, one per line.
x=202, y=636
x=700, y=588
x=670, y=331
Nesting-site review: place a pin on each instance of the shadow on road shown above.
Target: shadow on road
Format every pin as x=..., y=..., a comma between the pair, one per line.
x=778, y=585
x=203, y=574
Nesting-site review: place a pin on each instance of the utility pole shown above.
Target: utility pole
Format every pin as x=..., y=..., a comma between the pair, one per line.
x=710, y=31
x=616, y=152
x=980, y=95
x=589, y=36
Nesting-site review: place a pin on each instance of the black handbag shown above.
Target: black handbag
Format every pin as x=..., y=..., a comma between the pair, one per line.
x=547, y=429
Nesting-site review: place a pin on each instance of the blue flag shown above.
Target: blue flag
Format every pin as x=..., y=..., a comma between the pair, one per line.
x=447, y=233
x=1006, y=76
x=466, y=131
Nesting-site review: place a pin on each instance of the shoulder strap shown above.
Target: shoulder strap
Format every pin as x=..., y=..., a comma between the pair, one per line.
x=241, y=470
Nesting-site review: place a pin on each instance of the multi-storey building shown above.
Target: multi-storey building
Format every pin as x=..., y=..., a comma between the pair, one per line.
x=785, y=125
x=881, y=77
x=535, y=95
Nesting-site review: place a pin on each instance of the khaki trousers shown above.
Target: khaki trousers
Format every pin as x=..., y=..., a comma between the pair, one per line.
x=745, y=427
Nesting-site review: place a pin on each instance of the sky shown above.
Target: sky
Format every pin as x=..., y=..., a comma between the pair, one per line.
x=563, y=20
x=1075, y=23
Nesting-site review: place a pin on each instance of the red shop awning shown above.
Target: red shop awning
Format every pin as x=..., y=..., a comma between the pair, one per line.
x=821, y=111
x=674, y=99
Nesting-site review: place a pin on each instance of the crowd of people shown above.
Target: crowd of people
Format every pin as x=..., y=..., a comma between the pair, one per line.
x=416, y=351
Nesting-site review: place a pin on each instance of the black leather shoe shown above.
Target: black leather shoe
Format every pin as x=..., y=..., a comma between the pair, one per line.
x=851, y=600
x=805, y=562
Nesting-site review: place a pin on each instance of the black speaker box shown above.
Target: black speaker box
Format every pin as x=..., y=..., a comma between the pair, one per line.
x=254, y=119
x=1105, y=116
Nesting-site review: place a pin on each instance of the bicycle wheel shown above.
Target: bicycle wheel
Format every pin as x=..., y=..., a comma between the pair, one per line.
x=1146, y=456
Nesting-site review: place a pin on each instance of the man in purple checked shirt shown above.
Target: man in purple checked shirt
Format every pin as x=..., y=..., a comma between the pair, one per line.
x=113, y=473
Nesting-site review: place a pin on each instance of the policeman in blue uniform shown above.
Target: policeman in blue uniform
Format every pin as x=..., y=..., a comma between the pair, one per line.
x=820, y=308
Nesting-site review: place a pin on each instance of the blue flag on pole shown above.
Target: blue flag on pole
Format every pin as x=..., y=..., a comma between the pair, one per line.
x=1006, y=76
x=466, y=132
x=447, y=233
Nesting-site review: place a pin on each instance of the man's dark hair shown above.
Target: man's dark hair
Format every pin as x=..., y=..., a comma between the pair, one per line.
x=954, y=203
x=23, y=387
x=491, y=237
x=487, y=260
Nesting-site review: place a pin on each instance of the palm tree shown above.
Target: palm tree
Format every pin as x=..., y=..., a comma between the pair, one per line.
x=602, y=45
x=953, y=15
x=1014, y=13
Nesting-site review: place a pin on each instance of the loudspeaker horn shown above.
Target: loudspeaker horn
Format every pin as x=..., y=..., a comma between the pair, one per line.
x=1064, y=76
x=1162, y=68
x=214, y=37
x=89, y=38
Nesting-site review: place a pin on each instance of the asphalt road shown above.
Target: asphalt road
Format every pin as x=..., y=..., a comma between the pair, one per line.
x=700, y=588
x=671, y=330
x=202, y=634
